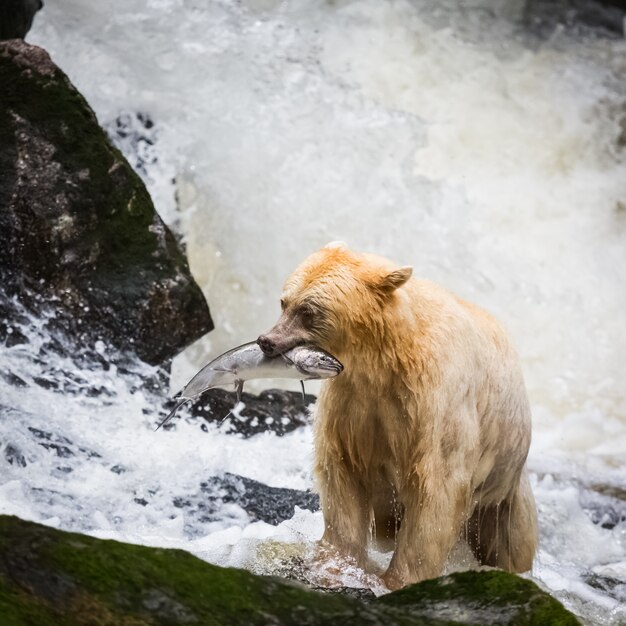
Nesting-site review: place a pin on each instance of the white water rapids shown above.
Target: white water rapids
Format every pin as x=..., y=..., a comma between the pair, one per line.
x=442, y=137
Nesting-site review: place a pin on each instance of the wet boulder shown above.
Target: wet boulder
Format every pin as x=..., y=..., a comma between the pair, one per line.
x=272, y=410
x=52, y=577
x=80, y=241
x=259, y=501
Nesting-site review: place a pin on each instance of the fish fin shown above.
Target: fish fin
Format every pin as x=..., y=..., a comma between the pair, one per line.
x=172, y=413
x=238, y=390
x=303, y=393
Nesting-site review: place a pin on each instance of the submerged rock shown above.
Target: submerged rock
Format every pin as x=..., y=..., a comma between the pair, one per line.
x=602, y=17
x=262, y=502
x=52, y=577
x=273, y=410
x=605, y=508
x=13, y=455
x=272, y=505
x=80, y=241
x=612, y=586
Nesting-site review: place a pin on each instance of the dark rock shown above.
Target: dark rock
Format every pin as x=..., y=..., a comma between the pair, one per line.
x=262, y=502
x=16, y=17
x=364, y=595
x=14, y=456
x=79, y=237
x=613, y=587
x=272, y=505
x=273, y=410
x=62, y=451
x=56, y=578
x=604, y=17
x=603, y=506
x=492, y=597
x=46, y=383
x=13, y=379
x=62, y=446
x=57, y=443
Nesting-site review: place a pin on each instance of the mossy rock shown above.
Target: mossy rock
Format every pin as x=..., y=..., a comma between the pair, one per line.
x=488, y=597
x=49, y=577
x=79, y=235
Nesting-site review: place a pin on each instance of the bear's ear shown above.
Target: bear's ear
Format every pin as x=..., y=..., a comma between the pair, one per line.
x=391, y=281
x=336, y=244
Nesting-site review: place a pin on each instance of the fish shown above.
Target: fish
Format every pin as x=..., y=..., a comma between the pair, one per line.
x=247, y=362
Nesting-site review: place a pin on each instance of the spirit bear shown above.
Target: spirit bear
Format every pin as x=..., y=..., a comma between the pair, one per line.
x=423, y=438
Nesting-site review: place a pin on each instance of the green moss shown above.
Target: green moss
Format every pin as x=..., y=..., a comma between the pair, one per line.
x=127, y=582
x=52, y=577
x=53, y=109
x=493, y=593
x=18, y=608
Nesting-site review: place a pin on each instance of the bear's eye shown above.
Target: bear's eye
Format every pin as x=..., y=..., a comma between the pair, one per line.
x=307, y=315
x=283, y=304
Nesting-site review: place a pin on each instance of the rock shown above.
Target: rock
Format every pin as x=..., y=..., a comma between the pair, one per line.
x=273, y=410
x=365, y=595
x=80, y=241
x=57, y=578
x=262, y=502
x=613, y=587
x=606, y=17
x=14, y=456
x=272, y=505
x=492, y=597
x=606, y=506
x=60, y=445
x=16, y=17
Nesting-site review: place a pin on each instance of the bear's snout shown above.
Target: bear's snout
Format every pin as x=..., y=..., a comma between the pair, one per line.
x=267, y=345
x=287, y=333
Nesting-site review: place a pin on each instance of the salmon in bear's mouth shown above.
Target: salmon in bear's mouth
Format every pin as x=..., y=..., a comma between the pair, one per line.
x=248, y=362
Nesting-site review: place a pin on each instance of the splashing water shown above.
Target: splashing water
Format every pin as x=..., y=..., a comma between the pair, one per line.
x=451, y=140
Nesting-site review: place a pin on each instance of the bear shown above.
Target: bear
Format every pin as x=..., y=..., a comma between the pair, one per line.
x=423, y=438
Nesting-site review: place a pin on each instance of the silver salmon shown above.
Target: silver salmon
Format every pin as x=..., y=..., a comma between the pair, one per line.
x=247, y=362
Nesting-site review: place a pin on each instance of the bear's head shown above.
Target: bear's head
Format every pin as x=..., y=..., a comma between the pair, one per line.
x=335, y=300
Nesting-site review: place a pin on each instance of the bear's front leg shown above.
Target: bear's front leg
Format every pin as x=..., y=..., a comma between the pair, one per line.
x=434, y=510
x=343, y=500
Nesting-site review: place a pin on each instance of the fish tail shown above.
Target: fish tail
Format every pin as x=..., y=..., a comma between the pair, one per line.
x=172, y=412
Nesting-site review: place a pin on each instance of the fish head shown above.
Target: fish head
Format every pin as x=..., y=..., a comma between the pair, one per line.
x=314, y=363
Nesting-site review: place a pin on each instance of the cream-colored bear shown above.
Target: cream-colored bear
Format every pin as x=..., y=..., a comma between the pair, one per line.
x=424, y=436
